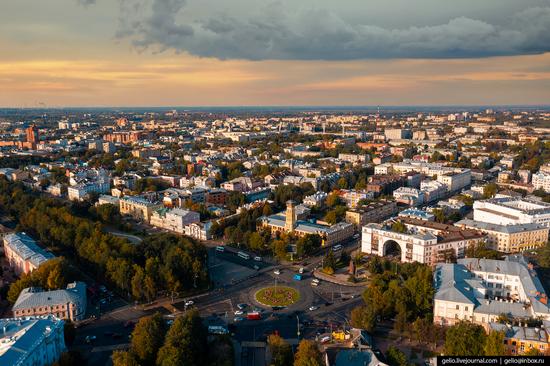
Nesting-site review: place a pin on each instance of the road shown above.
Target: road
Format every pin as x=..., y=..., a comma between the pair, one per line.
x=132, y=238
x=236, y=281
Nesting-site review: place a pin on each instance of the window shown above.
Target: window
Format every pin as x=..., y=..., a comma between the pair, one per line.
x=458, y=307
x=465, y=308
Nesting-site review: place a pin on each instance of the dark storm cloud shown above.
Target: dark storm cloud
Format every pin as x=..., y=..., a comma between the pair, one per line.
x=276, y=32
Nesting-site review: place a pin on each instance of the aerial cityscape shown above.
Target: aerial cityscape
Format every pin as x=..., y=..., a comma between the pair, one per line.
x=274, y=183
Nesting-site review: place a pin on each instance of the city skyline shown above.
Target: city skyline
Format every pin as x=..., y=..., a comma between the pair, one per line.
x=69, y=53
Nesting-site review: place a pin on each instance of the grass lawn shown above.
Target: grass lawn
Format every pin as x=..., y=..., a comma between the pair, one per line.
x=277, y=296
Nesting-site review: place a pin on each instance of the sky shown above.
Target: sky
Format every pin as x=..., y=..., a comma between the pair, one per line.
x=78, y=53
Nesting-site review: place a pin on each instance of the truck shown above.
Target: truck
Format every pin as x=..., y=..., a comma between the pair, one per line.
x=254, y=315
x=297, y=277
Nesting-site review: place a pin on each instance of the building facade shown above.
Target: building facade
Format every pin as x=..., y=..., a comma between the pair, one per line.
x=511, y=210
x=31, y=341
x=510, y=238
x=23, y=254
x=138, y=207
x=481, y=290
x=69, y=303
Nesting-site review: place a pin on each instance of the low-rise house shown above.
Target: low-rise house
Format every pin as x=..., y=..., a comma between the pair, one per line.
x=23, y=254
x=69, y=303
x=521, y=339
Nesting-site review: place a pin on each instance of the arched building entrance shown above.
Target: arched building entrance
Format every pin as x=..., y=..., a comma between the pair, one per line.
x=394, y=249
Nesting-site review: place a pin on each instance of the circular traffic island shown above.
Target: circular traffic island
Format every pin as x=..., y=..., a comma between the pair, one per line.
x=277, y=296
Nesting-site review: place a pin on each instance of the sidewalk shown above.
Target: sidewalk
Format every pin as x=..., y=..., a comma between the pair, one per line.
x=339, y=279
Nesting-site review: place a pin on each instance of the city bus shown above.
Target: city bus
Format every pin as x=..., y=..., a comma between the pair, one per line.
x=243, y=255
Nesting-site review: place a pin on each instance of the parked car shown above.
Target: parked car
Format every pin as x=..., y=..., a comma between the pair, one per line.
x=239, y=312
x=277, y=272
x=313, y=308
x=189, y=303
x=242, y=306
x=258, y=259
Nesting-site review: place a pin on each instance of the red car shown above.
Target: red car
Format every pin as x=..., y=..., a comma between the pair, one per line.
x=254, y=315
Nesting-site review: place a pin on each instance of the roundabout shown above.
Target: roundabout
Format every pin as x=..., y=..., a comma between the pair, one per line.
x=277, y=296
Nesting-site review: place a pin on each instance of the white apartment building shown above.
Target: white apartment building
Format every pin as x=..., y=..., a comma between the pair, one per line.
x=510, y=210
x=175, y=219
x=316, y=199
x=199, y=230
x=456, y=180
x=80, y=191
x=353, y=158
x=31, y=341
x=453, y=178
x=408, y=195
x=423, y=241
x=433, y=190
x=541, y=181
x=480, y=290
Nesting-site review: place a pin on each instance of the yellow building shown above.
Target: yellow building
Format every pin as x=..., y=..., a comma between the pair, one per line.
x=138, y=207
x=519, y=340
x=510, y=238
x=288, y=223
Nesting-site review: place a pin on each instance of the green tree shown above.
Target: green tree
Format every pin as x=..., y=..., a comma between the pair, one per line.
x=439, y=215
x=363, y=317
x=333, y=200
x=266, y=210
x=279, y=249
x=495, y=344
x=308, y=354
x=330, y=261
x=186, y=340
x=281, y=352
x=147, y=338
x=398, y=227
x=490, y=190
x=138, y=282
x=465, y=339
x=395, y=357
x=123, y=358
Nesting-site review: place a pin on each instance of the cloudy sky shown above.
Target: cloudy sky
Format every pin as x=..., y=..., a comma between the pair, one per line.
x=274, y=52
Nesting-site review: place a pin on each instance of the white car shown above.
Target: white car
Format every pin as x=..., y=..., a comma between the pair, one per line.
x=189, y=302
x=313, y=308
x=239, y=312
x=277, y=272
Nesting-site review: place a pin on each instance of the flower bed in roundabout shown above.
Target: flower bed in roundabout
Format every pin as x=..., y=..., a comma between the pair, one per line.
x=277, y=296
